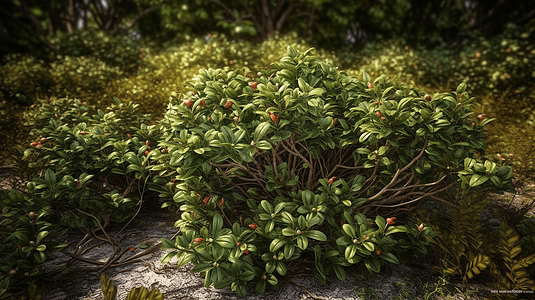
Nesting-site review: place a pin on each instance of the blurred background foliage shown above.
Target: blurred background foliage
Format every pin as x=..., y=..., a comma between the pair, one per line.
x=145, y=50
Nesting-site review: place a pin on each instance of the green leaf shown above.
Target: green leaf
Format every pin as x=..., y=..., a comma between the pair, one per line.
x=261, y=130
x=281, y=268
x=168, y=244
x=372, y=265
x=389, y=257
x=289, y=250
x=50, y=177
x=302, y=242
x=363, y=151
x=340, y=272
x=168, y=257
x=260, y=286
x=316, y=235
x=276, y=244
x=217, y=223
x=202, y=267
x=461, y=88
x=365, y=77
x=478, y=180
x=225, y=241
x=288, y=232
x=348, y=229
x=369, y=245
x=350, y=251
x=41, y=235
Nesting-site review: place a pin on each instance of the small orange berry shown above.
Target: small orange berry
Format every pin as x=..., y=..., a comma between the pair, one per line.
x=391, y=221
x=331, y=180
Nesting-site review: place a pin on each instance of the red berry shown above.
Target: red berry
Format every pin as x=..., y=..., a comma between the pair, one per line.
x=331, y=180
x=147, y=152
x=382, y=118
x=147, y=142
x=188, y=102
x=246, y=251
x=378, y=113
x=481, y=117
x=421, y=227
x=274, y=118
x=258, y=74
x=128, y=135
x=83, y=132
x=370, y=85
x=228, y=104
x=377, y=102
x=43, y=140
x=165, y=151
x=198, y=240
x=34, y=144
x=236, y=119
x=473, y=124
x=131, y=249
x=377, y=252
x=335, y=120
x=253, y=226
x=253, y=85
x=202, y=103
x=427, y=97
x=192, y=93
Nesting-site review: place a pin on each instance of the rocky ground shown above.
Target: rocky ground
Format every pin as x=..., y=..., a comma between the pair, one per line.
x=409, y=281
x=412, y=280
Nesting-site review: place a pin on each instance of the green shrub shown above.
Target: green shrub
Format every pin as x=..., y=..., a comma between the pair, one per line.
x=117, y=50
x=24, y=78
x=494, y=65
x=88, y=170
x=265, y=167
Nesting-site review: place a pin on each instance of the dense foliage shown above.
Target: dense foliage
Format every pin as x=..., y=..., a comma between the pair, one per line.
x=269, y=169
x=30, y=24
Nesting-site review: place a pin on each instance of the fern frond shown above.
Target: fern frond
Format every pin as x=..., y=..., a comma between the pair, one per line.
x=476, y=265
x=514, y=275
x=108, y=288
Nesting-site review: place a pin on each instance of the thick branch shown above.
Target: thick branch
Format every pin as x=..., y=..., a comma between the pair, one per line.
x=399, y=171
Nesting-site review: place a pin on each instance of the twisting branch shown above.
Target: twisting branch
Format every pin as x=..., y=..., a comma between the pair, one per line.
x=398, y=172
